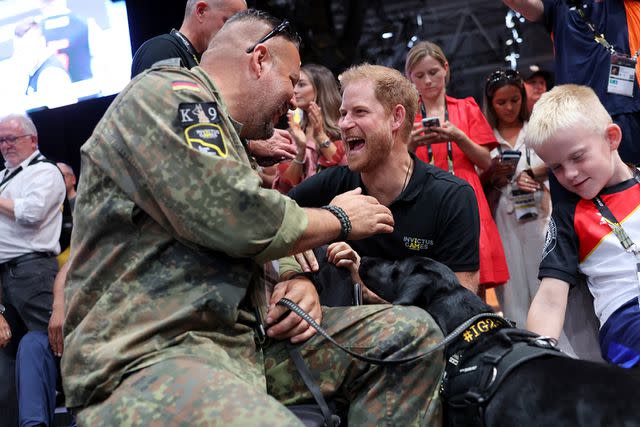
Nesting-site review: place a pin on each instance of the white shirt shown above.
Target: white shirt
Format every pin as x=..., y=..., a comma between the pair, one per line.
x=38, y=193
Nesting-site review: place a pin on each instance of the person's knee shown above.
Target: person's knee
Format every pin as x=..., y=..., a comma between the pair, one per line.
x=415, y=322
x=35, y=344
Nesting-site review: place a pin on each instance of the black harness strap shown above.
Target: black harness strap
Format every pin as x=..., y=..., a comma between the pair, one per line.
x=473, y=376
x=330, y=419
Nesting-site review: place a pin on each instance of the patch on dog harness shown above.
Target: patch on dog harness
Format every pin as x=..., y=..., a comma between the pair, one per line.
x=483, y=326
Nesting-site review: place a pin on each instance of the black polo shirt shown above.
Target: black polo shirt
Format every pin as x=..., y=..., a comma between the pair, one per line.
x=164, y=46
x=435, y=216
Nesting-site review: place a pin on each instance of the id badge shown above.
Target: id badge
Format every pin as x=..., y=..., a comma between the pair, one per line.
x=622, y=75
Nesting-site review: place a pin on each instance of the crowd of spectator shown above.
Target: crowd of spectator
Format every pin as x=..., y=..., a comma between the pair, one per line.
x=373, y=162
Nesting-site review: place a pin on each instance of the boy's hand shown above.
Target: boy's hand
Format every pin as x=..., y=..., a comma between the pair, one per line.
x=546, y=314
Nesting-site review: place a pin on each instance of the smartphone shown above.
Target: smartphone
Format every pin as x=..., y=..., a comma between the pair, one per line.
x=510, y=157
x=430, y=122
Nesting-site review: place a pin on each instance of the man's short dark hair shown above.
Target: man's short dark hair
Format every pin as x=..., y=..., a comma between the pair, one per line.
x=260, y=16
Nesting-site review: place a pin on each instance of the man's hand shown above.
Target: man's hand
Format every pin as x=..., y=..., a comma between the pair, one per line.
x=301, y=291
x=367, y=215
x=273, y=150
x=5, y=332
x=307, y=260
x=56, y=339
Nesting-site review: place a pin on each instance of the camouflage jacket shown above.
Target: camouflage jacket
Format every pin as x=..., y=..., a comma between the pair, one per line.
x=171, y=226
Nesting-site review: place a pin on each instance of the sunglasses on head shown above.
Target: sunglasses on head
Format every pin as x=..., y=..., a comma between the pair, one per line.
x=502, y=76
x=282, y=28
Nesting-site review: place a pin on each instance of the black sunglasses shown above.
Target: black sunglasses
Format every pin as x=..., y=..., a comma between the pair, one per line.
x=283, y=27
x=502, y=76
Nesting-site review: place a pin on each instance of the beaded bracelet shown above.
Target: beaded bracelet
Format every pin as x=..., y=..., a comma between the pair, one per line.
x=345, y=222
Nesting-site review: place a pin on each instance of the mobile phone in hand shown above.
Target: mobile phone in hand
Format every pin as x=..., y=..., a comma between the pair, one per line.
x=510, y=157
x=430, y=122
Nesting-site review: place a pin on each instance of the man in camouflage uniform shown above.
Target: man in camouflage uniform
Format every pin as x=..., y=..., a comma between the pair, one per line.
x=171, y=230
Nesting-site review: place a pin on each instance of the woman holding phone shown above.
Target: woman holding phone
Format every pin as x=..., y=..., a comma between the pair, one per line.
x=519, y=178
x=313, y=127
x=453, y=135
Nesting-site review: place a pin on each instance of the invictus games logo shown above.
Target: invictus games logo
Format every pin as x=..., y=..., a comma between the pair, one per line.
x=550, y=240
x=416, y=244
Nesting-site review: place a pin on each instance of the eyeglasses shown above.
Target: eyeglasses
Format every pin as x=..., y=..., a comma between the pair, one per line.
x=502, y=76
x=283, y=27
x=12, y=140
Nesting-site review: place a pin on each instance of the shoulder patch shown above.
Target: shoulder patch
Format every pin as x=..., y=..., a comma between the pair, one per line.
x=184, y=85
x=206, y=138
x=550, y=239
x=191, y=113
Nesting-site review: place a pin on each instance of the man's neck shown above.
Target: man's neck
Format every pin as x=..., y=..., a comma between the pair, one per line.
x=193, y=38
x=387, y=181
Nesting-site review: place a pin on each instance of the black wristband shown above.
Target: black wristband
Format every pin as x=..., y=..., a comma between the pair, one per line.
x=345, y=223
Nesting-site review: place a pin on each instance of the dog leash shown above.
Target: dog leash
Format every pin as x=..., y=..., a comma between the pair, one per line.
x=448, y=339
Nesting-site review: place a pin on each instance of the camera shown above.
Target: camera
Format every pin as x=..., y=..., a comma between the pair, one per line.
x=431, y=122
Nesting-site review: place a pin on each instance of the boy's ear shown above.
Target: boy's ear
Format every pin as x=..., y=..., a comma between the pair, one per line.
x=613, y=133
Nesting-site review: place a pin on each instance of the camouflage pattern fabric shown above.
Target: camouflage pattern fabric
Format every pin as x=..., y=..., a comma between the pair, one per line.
x=172, y=229
x=195, y=392
x=168, y=237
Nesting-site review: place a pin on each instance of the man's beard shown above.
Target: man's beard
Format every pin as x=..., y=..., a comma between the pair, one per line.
x=263, y=130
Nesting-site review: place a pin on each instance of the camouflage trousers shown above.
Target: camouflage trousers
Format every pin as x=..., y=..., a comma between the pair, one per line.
x=189, y=391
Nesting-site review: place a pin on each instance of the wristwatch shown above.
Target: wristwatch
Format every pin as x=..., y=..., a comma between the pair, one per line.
x=325, y=144
x=2, y=309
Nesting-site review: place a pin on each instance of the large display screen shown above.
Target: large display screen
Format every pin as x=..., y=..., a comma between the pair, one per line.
x=59, y=52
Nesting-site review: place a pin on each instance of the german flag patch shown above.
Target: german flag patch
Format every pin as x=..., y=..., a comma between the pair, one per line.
x=184, y=85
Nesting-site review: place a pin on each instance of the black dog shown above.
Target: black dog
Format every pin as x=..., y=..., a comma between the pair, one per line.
x=548, y=390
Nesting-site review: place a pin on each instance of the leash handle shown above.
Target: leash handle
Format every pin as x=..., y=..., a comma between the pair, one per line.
x=385, y=362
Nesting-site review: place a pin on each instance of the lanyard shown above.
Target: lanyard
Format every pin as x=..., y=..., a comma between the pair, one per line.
x=187, y=44
x=627, y=244
x=597, y=36
x=423, y=111
x=19, y=169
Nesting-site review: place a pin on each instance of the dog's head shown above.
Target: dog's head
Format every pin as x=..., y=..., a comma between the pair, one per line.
x=423, y=282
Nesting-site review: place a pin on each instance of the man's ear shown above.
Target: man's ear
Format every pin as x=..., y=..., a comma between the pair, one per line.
x=259, y=58
x=201, y=9
x=613, y=134
x=399, y=114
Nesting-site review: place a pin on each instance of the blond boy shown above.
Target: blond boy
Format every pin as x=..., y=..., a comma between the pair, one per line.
x=575, y=136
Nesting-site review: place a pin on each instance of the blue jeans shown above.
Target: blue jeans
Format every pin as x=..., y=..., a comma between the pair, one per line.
x=36, y=375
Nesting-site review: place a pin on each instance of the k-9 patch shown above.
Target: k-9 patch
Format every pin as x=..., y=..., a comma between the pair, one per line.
x=190, y=113
x=206, y=138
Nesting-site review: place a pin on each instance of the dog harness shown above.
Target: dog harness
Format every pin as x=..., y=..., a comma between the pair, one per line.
x=474, y=373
